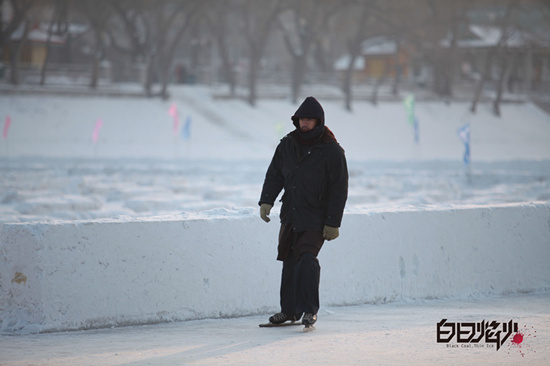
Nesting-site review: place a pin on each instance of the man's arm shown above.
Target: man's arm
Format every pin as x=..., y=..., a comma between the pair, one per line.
x=337, y=189
x=273, y=184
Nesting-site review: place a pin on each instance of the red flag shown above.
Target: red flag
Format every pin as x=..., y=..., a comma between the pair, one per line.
x=173, y=111
x=95, y=134
x=7, y=126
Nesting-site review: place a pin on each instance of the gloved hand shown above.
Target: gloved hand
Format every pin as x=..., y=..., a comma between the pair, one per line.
x=265, y=209
x=330, y=233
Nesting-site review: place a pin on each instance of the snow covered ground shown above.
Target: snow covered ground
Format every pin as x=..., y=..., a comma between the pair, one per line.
x=389, y=334
x=145, y=163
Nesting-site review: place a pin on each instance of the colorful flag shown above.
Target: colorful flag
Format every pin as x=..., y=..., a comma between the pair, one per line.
x=186, y=130
x=7, y=125
x=464, y=134
x=411, y=118
x=280, y=129
x=409, y=106
x=173, y=111
x=95, y=134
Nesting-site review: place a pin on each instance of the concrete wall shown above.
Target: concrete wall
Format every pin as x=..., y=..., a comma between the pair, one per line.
x=61, y=276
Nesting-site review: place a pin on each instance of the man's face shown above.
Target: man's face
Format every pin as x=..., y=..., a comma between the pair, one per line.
x=307, y=124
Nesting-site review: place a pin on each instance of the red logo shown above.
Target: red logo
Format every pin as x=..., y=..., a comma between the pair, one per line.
x=519, y=344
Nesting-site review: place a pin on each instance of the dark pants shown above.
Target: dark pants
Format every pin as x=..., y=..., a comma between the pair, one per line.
x=301, y=272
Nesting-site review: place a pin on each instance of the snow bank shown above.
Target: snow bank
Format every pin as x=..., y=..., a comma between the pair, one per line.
x=60, y=126
x=87, y=274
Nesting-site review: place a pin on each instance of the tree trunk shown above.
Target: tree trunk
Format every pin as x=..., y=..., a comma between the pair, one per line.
x=354, y=48
x=16, y=55
x=96, y=58
x=321, y=57
x=150, y=75
x=252, y=81
x=500, y=85
x=481, y=83
x=170, y=49
x=20, y=10
x=450, y=65
x=257, y=23
x=48, y=44
x=165, y=77
x=398, y=69
x=377, y=85
x=298, y=74
x=221, y=32
x=227, y=65
x=498, y=50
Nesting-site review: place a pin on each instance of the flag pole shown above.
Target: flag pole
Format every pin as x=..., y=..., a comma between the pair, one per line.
x=464, y=134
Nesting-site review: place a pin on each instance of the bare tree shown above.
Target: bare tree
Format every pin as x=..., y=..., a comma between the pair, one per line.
x=186, y=15
x=97, y=12
x=496, y=52
x=58, y=25
x=436, y=36
x=257, y=18
x=153, y=31
x=20, y=9
x=361, y=15
x=164, y=15
x=457, y=12
x=309, y=19
x=220, y=18
x=134, y=37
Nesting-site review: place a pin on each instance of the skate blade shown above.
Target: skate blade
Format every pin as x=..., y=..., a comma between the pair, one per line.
x=309, y=328
x=271, y=325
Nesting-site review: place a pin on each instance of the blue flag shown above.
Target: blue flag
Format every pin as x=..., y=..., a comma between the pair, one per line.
x=186, y=129
x=464, y=134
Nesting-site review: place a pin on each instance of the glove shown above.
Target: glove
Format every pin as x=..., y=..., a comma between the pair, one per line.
x=265, y=209
x=330, y=233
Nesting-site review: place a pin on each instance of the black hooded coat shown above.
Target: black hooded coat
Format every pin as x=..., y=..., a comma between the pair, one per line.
x=312, y=169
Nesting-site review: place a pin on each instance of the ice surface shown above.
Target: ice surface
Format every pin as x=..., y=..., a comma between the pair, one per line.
x=389, y=334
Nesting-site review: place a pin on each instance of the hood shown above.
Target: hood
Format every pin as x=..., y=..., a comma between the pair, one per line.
x=310, y=108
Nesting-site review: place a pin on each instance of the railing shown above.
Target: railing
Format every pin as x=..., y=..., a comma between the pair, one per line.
x=60, y=74
x=270, y=83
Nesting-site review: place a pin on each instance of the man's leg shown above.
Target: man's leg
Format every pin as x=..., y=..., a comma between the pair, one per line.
x=308, y=275
x=288, y=290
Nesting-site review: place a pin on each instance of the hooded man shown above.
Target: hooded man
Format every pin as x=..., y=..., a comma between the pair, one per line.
x=311, y=167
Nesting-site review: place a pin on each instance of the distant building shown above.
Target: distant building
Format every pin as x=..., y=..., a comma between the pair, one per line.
x=526, y=56
x=380, y=57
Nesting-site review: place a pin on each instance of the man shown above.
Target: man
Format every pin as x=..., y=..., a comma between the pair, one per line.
x=311, y=167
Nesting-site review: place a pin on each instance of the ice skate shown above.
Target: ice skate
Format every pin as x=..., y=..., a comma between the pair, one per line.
x=309, y=322
x=280, y=320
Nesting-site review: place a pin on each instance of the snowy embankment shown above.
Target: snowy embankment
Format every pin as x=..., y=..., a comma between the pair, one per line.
x=150, y=157
x=107, y=273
